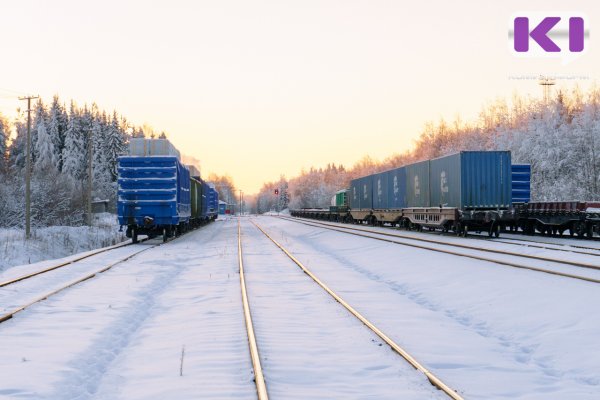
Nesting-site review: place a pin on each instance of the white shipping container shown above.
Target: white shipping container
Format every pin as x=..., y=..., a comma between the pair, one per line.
x=152, y=147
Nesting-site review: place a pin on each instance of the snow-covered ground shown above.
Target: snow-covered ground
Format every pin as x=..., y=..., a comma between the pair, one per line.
x=489, y=332
x=57, y=241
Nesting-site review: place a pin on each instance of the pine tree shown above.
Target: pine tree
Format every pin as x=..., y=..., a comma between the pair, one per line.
x=44, y=148
x=4, y=134
x=56, y=129
x=40, y=116
x=73, y=154
x=16, y=151
x=115, y=146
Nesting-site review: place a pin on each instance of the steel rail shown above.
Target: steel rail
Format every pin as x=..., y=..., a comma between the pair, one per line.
x=418, y=246
x=52, y=268
x=538, y=244
x=403, y=353
x=9, y=315
x=259, y=378
x=460, y=245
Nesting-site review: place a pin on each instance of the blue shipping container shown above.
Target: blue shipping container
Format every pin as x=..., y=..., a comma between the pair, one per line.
x=396, y=188
x=380, y=191
x=417, y=184
x=471, y=179
x=156, y=188
x=521, y=183
x=361, y=193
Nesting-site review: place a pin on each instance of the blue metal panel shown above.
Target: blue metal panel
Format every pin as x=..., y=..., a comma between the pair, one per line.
x=396, y=188
x=521, y=183
x=486, y=180
x=380, y=191
x=205, y=200
x=213, y=200
x=417, y=184
x=361, y=193
x=154, y=187
x=471, y=179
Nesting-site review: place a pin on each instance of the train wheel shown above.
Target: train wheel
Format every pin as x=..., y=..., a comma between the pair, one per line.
x=465, y=231
x=165, y=235
x=458, y=229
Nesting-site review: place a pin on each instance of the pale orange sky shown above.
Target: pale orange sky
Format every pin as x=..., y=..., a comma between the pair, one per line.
x=255, y=89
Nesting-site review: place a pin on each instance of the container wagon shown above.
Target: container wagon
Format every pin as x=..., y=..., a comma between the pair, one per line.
x=153, y=196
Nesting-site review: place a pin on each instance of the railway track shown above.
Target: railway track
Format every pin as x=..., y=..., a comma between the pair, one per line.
x=417, y=243
x=61, y=265
x=259, y=379
x=88, y=275
x=433, y=379
x=571, y=248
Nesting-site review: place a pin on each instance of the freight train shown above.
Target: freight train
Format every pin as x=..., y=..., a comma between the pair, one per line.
x=478, y=191
x=158, y=195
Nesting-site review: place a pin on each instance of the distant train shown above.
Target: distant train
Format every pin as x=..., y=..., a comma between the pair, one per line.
x=157, y=195
x=467, y=191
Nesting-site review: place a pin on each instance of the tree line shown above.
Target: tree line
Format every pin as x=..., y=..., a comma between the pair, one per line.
x=560, y=138
x=61, y=137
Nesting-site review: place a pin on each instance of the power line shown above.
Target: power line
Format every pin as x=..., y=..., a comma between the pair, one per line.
x=15, y=92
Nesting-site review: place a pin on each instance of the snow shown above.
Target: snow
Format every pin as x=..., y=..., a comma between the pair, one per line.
x=57, y=241
x=489, y=331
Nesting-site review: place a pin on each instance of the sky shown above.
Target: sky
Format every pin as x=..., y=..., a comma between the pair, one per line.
x=257, y=89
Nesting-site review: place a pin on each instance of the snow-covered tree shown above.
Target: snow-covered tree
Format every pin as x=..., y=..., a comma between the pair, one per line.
x=115, y=145
x=74, y=154
x=44, y=149
x=56, y=126
x=4, y=135
x=40, y=116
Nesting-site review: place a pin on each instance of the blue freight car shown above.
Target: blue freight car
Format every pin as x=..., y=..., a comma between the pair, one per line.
x=213, y=202
x=153, y=196
x=521, y=183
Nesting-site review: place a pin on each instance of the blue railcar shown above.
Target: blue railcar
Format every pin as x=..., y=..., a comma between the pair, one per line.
x=213, y=201
x=205, y=200
x=521, y=183
x=222, y=207
x=153, y=196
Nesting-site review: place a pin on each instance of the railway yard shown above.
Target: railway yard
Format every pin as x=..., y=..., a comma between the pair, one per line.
x=290, y=308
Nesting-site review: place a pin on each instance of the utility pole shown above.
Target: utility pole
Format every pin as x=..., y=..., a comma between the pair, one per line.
x=546, y=83
x=28, y=169
x=90, y=170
